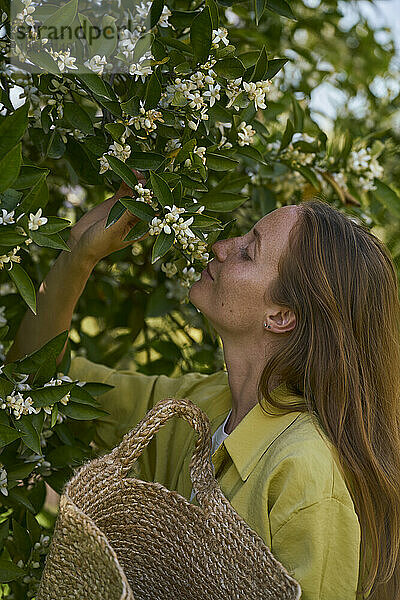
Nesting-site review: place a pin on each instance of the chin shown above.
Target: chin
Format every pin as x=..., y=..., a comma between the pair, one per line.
x=197, y=296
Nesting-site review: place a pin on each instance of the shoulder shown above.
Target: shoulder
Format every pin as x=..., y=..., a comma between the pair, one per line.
x=306, y=462
x=210, y=392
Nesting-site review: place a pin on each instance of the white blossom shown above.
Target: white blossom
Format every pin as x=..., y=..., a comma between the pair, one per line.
x=163, y=21
x=141, y=70
x=104, y=166
x=196, y=100
x=64, y=59
x=3, y=481
x=7, y=218
x=213, y=93
x=36, y=220
x=3, y=320
x=245, y=134
x=169, y=268
x=220, y=35
x=10, y=257
x=96, y=64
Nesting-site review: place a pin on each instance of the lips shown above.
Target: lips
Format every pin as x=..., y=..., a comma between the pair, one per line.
x=209, y=272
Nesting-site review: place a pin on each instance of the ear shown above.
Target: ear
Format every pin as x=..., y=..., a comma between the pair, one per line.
x=282, y=322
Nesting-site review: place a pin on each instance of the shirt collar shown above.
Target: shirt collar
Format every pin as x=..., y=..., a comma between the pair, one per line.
x=257, y=431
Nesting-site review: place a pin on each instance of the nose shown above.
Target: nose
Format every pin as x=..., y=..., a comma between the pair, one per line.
x=221, y=248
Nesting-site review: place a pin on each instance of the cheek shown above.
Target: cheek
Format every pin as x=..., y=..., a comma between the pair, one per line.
x=238, y=289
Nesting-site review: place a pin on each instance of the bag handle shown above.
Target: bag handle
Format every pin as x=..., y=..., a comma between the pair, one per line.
x=135, y=441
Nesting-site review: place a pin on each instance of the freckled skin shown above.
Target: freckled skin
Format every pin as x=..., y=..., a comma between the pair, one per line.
x=236, y=304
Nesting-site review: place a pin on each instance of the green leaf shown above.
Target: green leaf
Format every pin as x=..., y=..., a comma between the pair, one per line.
x=96, y=389
x=9, y=167
x=145, y=160
x=121, y=169
x=298, y=115
x=63, y=456
x=259, y=8
x=49, y=241
x=32, y=362
x=179, y=99
x=221, y=201
x=116, y=212
x=287, y=135
x=105, y=44
x=115, y=129
x=163, y=243
x=6, y=387
x=29, y=176
x=253, y=153
x=12, y=128
x=201, y=35
x=140, y=209
x=224, y=51
x=9, y=571
x=29, y=435
x=274, y=66
x=81, y=396
x=174, y=43
x=153, y=91
x=21, y=471
x=45, y=118
x=205, y=222
x=250, y=58
x=21, y=540
x=19, y=495
x=7, y=435
x=185, y=151
x=217, y=162
x=388, y=197
x=54, y=415
x=78, y=118
x=161, y=189
x=261, y=67
x=24, y=285
x=34, y=195
x=54, y=224
x=95, y=84
x=64, y=16
x=45, y=61
x=230, y=68
x=4, y=531
x=82, y=412
x=309, y=174
x=192, y=184
x=33, y=527
x=281, y=7
x=155, y=12
x=47, y=395
x=214, y=12
x=142, y=46
x=9, y=237
x=241, y=100
x=137, y=231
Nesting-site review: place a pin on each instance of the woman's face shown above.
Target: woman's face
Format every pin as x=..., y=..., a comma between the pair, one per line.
x=236, y=299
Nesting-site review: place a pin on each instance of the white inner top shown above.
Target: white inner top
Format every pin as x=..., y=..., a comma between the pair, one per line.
x=216, y=440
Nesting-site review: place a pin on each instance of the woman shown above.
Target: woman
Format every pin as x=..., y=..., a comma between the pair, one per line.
x=306, y=304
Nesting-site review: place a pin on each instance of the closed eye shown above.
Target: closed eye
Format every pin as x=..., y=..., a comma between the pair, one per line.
x=244, y=254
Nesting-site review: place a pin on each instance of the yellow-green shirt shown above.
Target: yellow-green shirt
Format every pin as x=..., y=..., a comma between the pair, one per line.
x=278, y=472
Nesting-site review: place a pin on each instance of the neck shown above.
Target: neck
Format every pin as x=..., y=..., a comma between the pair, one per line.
x=244, y=371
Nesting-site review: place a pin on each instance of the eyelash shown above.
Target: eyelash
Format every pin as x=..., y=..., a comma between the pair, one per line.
x=244, y=254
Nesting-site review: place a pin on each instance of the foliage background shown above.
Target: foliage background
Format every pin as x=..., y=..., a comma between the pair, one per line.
x=132, y=315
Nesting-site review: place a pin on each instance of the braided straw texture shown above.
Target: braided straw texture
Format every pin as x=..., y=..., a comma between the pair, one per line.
x=120, y=538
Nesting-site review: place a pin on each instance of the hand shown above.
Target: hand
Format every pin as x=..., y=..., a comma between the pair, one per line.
x=90, y=239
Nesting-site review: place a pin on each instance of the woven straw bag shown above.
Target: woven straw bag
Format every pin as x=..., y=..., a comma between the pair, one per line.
x=120, y=538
